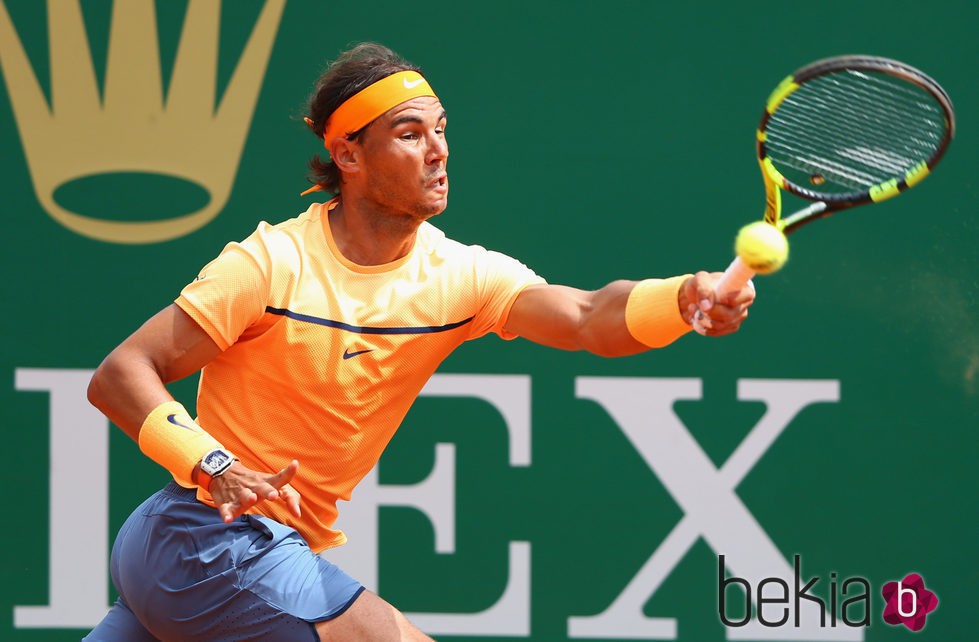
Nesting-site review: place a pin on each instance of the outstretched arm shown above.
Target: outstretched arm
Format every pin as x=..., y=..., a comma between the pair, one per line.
x=572, y=319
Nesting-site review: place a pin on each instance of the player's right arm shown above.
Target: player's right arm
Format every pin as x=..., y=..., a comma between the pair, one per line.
x=131, y=383
x=132, y=380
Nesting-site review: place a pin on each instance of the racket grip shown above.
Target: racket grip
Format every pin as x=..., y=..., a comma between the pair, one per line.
x=735, y=277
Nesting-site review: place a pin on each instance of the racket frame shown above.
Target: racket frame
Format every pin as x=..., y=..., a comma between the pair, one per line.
x=738, y=274
x=775, y=182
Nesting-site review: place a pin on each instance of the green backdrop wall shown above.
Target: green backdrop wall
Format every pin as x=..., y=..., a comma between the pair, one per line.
x=531, y=494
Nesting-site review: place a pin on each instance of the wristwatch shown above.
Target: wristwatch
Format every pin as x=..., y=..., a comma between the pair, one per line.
x=216, y=463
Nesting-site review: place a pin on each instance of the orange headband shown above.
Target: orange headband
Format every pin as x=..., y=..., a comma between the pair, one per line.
x=363, y=107
x=369, y=103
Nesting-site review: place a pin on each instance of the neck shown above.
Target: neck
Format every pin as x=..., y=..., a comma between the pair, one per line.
x=366, y=237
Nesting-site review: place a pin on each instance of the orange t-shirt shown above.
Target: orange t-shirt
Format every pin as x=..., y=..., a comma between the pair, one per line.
x=322, y=357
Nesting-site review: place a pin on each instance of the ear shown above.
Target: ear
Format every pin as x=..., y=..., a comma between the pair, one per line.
x=345, y=154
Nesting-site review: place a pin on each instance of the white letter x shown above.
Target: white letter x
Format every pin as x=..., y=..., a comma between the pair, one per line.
x=643, y=409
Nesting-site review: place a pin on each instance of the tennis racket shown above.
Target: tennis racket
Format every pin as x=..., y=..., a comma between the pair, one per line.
x=842, y=132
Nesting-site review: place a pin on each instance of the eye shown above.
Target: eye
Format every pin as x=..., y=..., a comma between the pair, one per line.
x=409, y=136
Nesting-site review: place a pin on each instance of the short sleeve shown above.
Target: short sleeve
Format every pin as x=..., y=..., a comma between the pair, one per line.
x=500, y=279
x=230, y=293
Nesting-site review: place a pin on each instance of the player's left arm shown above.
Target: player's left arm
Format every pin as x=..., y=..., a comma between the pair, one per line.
x=571, y=319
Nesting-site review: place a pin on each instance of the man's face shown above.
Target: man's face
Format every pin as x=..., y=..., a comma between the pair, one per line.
x=405, y=154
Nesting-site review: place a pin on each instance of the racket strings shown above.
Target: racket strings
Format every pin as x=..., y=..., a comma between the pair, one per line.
x=886, y=108
x=853, y=130
x=854, y=106
x=867, y=121
x=856, y=136
x=843, y=139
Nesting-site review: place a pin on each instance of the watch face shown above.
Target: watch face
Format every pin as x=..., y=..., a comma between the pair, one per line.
x=215, y=460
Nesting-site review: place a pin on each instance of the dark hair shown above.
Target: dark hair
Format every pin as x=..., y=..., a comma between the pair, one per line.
x=352, y=71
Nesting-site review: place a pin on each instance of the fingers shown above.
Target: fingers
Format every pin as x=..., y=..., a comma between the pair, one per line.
x=727, y=315
x=241, y=488
x=716, y=315
x=232, y=510
x=703, y=297
x=725, y=319
x=280, y=479
x=743, y=297
x=292, y=498
x=286, y=492
x=696, y=299
x=285, y=475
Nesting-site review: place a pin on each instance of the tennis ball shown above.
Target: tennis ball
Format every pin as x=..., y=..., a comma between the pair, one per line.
x=762, y=247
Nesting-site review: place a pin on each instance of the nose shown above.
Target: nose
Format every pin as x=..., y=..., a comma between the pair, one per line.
x=438, y=149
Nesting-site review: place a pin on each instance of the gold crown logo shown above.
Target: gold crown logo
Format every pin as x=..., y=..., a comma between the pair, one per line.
x=133, y=129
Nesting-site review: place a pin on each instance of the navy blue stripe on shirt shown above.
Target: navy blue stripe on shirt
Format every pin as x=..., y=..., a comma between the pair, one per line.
x=364, y=329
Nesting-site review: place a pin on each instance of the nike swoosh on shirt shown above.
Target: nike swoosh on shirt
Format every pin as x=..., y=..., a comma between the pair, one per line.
x=411, y=84
x=347, y=354
x=173, y=419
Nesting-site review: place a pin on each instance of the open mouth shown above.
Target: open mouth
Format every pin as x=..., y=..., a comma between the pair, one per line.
x=440, y=182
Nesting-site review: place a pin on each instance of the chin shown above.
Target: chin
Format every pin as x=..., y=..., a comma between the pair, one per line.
x=436, y=208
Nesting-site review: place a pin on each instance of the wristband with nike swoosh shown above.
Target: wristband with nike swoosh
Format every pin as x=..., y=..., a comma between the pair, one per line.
x=652, y=313
x=172, y=439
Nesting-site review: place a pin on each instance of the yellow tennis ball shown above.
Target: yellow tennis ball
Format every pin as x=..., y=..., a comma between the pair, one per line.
x=762, y=247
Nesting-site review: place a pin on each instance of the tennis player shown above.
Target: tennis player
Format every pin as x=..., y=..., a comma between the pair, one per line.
x=313, y=337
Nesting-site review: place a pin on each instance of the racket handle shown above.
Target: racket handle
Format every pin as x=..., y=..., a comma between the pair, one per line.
x=735, y=277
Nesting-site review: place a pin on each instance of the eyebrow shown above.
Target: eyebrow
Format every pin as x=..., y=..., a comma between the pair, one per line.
x=412, y=119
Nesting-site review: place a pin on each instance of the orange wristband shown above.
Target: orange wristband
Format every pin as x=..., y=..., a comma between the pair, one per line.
x=172, y=439
x=652, y=313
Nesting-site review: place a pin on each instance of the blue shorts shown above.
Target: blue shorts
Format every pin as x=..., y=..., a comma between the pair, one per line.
x=183, y=574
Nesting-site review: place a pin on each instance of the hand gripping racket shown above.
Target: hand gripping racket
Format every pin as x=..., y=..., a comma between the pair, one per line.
x=843, y=132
